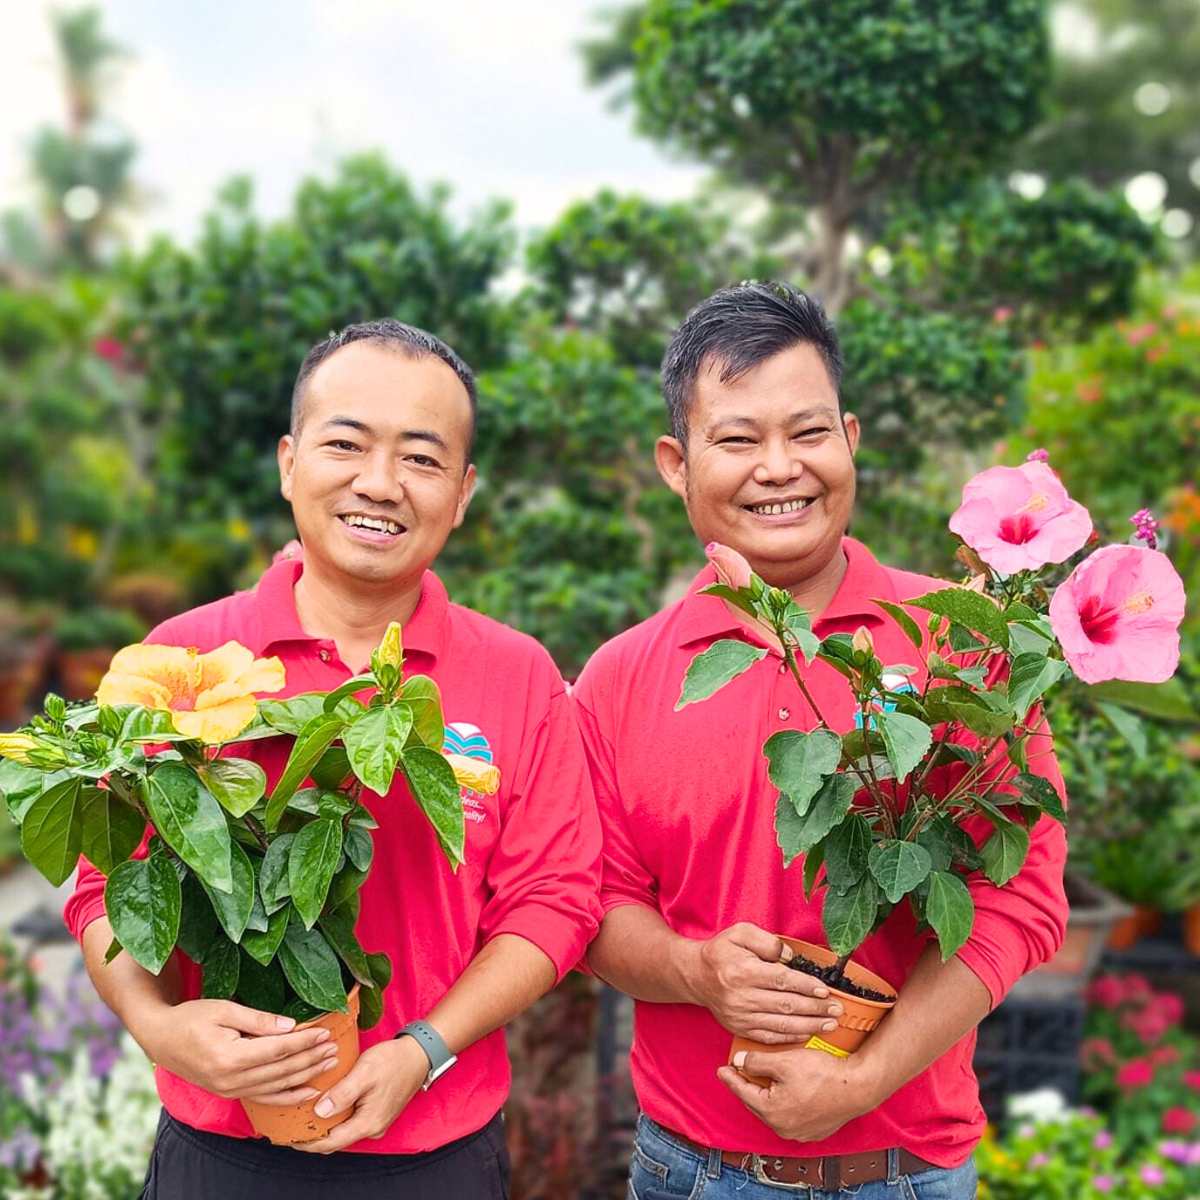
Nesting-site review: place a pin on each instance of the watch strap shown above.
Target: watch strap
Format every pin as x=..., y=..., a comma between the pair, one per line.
x=440, y=1057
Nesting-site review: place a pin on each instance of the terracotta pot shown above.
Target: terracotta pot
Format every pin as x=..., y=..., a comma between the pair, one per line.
x=80, y=671
x=1130, y=930
x=1191, y=928
x=859, y=1018
x=286, y=1126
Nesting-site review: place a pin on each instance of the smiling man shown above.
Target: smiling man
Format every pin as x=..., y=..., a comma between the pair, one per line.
x=695, y=892
x=377, y=467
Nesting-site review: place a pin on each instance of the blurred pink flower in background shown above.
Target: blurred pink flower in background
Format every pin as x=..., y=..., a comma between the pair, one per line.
x=732, y=569
x=1136, y=1073
x=1117, y=616
x=1020, y=518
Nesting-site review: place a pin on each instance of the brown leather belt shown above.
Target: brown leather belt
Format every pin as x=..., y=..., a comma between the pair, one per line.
x=829, y=1173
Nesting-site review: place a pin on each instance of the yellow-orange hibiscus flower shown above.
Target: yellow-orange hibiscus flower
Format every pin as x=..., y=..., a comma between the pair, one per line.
x=209, y=696
x=475, y=774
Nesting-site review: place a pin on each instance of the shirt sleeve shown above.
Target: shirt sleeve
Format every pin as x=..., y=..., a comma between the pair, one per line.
x=625, y=879
x=544, y=873
x=1022, y=924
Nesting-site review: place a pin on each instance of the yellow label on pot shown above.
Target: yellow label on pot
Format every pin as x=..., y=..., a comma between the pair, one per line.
x=816, y=1043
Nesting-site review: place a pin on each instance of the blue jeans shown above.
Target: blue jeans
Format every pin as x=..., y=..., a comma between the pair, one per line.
x=664, y=1169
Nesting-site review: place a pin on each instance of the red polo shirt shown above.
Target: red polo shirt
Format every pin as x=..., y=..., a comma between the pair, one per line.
x=532, y=850
x=688, y=816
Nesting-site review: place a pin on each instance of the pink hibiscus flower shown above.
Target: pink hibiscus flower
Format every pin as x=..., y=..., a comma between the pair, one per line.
x=1117, y=616
x=1020, y=518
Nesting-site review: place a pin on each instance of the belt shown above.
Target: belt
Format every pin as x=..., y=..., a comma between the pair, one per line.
x=829, y=1172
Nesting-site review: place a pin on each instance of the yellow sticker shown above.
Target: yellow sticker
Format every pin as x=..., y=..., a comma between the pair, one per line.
x=816, y=1043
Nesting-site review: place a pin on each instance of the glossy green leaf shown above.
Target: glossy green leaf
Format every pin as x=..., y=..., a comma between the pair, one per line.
x=311, y=864
x=237, y=783
x=359, y=847
x=908, y=626
x=421, y=694
x=847, y=919
x=969, y=609
x=359, y=683
x=312, y=742
x=198, y=924
x=52, y=829
x=219, y=975
x=260, y=985
x=262, y=945
x=142, y=900
x=846, y=850
x=274, y=885
x=898, y=867
x=907, y=740
x=312, y=969
x=950, y=911
x=370, y=1007
x=814, y=859
x=1004, y=852
x=189, y=819
x=801, y=762
x=1041, y=792
x=432, y=783
x=1030, y=676
x=798, y=834
x=339, y=931
x=233, y=907
x=722, y=662
x=374, y=742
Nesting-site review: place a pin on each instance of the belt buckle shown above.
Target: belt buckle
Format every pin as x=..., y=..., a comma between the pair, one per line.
x=759, y=1172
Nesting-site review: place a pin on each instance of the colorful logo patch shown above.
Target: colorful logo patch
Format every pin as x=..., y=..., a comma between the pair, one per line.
x=894, y=682
x=471, y=757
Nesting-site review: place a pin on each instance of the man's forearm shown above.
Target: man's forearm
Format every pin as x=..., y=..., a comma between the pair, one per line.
x=638, y=953
x=125, y=985
x=938, y=1006
x=504, y=979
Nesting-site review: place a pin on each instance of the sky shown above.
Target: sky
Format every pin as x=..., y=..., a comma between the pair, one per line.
x=487, y=95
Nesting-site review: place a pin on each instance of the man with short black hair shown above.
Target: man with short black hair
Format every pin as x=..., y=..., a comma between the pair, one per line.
x=695, y=892
x=377, y=468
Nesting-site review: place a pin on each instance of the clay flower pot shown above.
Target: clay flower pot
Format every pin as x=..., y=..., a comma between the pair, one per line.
x=1191, y=928
x=1130, y=930
x=859, y=1018
x=285, y=1126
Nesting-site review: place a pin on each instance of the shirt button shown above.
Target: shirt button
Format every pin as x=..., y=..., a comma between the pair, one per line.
x=784, y=714
x=324, y=655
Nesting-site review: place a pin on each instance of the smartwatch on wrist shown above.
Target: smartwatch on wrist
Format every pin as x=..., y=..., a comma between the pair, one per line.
x=436, y=1050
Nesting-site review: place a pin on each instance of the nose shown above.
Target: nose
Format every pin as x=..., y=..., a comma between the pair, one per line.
x=778, y=463
x=377, y=479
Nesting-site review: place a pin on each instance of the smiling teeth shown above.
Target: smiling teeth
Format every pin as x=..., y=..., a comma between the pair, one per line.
x=375, y=523
x=772, y=510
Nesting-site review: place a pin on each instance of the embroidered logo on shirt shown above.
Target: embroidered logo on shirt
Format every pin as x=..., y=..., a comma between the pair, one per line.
x=468, y=741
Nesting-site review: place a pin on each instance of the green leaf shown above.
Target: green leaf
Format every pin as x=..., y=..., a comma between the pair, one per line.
x=735, y=596
x=796, y=621
x=848, y=919
x=52, y=830
x=963, y=641
x=1004, y=852
x=312, y=969
x=237, y=783
x=359, y=847
x=345, y=885
x=188, y=818
x=908, y=626
x=142, y=900
x=421, y=694
x=1042, y=793
x=436, y=791
x=222, y=966
x=1030, y=676
x=898, y=867
x=907, y=740
x=358, y=684
x=950, y=910
x=795, y=834
x=933, y=838
x=969, y=609
x=198, y=925
x=310, y=745
x=339, y=930
x=148, y=725
x=986, y=714
x=709, y=672
x=801, y=762
x=293, y=714
x=233, y=907
x=273, y=884
x=112, y=830
x=374, y=742
x=260, y=985
x=812, y=868
x=311, y=864
x=1165, y=701
x=846, y=851
x=381, y=969
x=22, y=785
x=332, y=769
x=1127, y=725
x=370, y=1007
x=992, y=811
x=261, y=946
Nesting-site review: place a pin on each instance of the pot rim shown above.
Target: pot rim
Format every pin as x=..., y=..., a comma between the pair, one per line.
x=883, y=1005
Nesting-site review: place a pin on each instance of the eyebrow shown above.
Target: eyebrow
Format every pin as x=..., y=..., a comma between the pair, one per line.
x=796, y=418
x=408, y=435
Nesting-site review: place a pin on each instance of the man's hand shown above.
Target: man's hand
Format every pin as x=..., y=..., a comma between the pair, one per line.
x=236, y=1052
x=812, y=1094
x=377, y=1087
x=741, y=979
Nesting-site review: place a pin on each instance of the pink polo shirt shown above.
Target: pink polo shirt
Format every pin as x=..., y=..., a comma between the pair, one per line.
x=688, y=816
x=532, y=850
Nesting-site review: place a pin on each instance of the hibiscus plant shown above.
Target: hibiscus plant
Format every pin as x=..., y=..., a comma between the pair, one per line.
x=934, y=783
x=258, y=885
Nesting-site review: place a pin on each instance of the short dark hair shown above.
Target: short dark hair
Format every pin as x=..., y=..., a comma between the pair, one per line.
x=739, y=327
x=387, y=331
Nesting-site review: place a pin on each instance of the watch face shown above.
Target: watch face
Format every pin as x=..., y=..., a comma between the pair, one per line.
x=437, y=1072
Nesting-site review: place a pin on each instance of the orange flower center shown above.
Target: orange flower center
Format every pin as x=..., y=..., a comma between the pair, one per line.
x=1139, y=602
x=1036, y=503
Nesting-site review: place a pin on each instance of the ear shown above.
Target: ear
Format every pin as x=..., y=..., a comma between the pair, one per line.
x=671, y=460
x=465, y=492
x=851, y=426
x=287, y=464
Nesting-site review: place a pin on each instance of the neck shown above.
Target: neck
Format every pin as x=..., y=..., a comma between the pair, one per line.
x=814, y=593
x=352, y=613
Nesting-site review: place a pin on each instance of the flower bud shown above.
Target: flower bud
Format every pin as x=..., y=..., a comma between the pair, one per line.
x=391, y=650
x=17, y=746
x=732, y=568
x=861, y=641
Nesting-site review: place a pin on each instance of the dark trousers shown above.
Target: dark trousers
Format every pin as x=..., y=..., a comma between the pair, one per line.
x=188, y=1164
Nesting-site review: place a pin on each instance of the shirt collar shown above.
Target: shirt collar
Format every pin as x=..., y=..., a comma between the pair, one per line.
x=424, y=633
x=706, y=617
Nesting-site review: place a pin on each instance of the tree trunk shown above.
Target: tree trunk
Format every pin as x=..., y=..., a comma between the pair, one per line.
x=831, y=281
